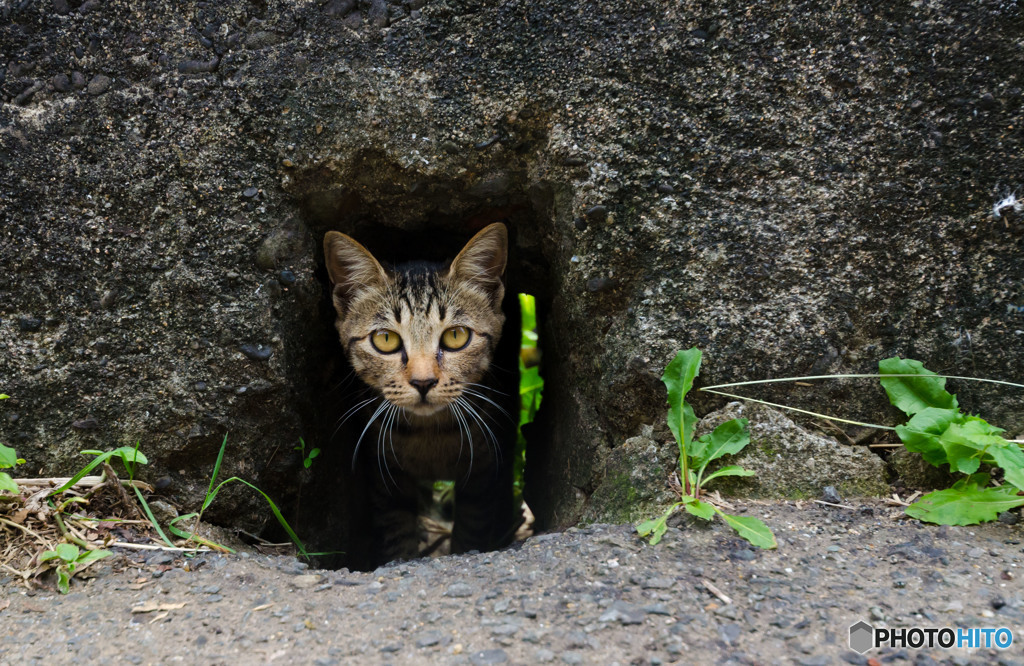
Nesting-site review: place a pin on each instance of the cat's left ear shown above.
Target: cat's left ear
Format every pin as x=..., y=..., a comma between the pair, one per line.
x=482, y=261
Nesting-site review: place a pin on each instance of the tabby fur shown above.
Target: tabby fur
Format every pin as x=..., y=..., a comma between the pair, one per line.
x=430, y=412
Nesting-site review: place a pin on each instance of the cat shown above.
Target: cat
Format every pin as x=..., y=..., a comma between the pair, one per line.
x=422, y=338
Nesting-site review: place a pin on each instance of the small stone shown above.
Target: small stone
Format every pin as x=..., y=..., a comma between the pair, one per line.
x=286, y=278
x=458, y=590
x=657, y=583
x=975, y=553
x=665, y=188
x=450, y=147
x=597, y=213
x=30, y=324
x=987, y=101
x=601, y=284
x=574, y=161
x=305, y=581
x=580, y=224
x=86, y=424
x=61, y=83
x=831, y=495
x=623, y=613
x=487, y=143
x=250, y=192
x=543, y=656
x=99, y=84
x=339, y=7
x=108, y=299
x=163, y=512
x=504, y=630
x=428, y=639
x=1009, y=517
x=955, y=606
x=198, y=66
x=997, y=602
x=392, y=647
x=569, y=657
x=484, y=657
x=743, y=555
x=730, y=632
x=354, y=20
x=257, y=352
x=377, y=14
x=77, y=80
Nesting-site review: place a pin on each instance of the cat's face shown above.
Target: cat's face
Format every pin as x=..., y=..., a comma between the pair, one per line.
x=419, y=334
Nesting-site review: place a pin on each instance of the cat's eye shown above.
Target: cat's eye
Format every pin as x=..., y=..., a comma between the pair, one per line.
x=455, y=338
x=385, y=341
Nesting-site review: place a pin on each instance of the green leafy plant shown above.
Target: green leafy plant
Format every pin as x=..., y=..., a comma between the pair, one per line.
x=531, y=384
x=695, y=455
x=70, y=561
x=8, y=459
x=307, y=460
x=944, y=435
x=211, y=494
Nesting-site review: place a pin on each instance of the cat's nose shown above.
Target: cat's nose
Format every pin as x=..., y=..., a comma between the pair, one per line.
x=423, y=385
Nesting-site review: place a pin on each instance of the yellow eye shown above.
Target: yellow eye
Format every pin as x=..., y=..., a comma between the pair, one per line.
x=455, y=338
x=385, y=341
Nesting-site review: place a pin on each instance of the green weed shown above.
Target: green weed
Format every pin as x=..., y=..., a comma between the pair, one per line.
x=531, y=384
x=728, y=438
x=944, y=435
x=307, y=460
x=211, y=494
x=70, y=560
x=8, y=459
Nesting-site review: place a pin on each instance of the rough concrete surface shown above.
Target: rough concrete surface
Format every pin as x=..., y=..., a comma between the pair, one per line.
x=596, y=595
x=794, y=188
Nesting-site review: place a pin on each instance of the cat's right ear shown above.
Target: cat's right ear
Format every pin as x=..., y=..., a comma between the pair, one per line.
x=352, y=269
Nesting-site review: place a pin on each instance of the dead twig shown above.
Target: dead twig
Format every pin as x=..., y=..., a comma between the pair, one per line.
x=715, y=591
x=84, y=482
x=24, y=529
x=841, y=506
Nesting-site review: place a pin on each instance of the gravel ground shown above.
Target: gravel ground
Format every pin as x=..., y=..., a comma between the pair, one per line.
x=591, y=595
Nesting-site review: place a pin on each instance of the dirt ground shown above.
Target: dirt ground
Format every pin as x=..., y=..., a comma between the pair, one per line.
x=591, y=595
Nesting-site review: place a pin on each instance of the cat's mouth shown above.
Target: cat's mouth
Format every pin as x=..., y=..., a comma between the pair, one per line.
x=424, y=408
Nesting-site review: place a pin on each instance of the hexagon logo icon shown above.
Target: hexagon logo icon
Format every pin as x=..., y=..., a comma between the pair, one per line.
x=861, y=637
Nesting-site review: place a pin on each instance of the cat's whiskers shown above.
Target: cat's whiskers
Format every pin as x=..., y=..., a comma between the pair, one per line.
x=382, y=460
x=485, y=387
x=380, y=409
x=486, y=429
x=350, y=413
x=460, y=419
x=484, y=397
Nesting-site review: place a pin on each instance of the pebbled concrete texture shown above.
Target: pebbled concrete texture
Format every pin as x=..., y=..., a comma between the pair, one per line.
x=795, y=190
